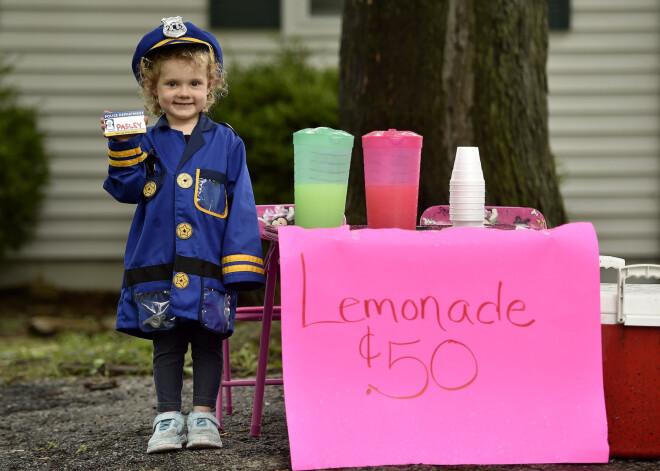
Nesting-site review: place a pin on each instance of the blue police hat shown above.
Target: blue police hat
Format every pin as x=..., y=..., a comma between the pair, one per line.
x=174, y=31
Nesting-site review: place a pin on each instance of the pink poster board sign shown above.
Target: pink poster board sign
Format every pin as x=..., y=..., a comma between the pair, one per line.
x=464, y=346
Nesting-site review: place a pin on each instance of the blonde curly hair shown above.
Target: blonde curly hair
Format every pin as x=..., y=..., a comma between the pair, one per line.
x=199, y=56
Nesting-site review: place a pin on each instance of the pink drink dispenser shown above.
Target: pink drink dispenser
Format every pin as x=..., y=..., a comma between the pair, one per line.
x=391, y=178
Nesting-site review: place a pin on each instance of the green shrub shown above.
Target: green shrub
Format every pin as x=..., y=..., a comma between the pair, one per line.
x=23, y=170
x=267, y=103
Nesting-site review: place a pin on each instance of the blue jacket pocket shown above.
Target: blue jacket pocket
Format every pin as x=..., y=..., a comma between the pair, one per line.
x=211, y=192
x=154, y=310
x=219, y=311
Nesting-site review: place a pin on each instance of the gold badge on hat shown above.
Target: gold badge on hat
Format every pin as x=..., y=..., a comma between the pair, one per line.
x=173, y=27
x=181, y=280
x=149, y=189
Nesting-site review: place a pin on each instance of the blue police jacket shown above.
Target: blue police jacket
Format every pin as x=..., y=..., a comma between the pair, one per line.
x=194, y=240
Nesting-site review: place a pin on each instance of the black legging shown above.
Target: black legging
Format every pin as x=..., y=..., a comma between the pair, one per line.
x=170, y=347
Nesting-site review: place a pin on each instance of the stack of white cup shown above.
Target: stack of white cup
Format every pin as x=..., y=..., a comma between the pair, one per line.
x=467, y=189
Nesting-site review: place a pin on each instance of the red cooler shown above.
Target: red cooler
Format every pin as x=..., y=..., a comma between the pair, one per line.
x=630, y=315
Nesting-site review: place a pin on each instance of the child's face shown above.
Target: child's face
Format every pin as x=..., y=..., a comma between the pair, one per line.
x=181, y=90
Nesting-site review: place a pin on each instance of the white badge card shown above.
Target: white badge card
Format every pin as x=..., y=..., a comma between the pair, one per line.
x=124, y=122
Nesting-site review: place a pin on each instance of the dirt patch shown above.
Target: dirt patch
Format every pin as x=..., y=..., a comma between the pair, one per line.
x=62, y=424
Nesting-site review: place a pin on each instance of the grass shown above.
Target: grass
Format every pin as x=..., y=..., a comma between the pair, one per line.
x=89, y=346
x=71, y=354
x=27, y=357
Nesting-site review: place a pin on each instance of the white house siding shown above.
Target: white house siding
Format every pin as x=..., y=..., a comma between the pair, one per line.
x=72, y=60
x=604, y=104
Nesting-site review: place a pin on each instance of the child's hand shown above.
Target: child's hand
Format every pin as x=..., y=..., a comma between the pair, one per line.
x=121, y=137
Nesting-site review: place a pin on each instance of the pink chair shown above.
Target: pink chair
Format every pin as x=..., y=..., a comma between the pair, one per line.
x=509, y=217
x=268, y=215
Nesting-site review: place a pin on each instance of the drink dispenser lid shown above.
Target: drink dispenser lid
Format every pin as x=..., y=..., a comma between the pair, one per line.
x=322, y=137
x=392, y=139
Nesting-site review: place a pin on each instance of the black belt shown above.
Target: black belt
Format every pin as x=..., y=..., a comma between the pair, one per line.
x=188, y=265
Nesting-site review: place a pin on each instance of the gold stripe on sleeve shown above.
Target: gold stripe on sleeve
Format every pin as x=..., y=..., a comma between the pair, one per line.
x=241, y=258
x=243, y=268
x=127, y=163
x=118, y=154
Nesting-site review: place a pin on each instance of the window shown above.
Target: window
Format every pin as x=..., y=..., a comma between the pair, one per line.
x=326, y=7
x=559, y=15
x=245, y=14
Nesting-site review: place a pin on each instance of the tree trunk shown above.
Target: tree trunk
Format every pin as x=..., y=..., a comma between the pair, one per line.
x=460, y=73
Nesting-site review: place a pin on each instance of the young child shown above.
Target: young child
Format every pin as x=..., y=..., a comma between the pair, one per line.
x=194, y=240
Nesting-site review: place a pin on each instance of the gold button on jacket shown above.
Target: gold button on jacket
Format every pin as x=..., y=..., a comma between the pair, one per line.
x=184, y=180
x=149, y=189
x=181, y=280
x=184, y=230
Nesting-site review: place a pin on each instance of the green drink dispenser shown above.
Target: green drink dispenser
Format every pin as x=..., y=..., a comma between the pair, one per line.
x=322, y=160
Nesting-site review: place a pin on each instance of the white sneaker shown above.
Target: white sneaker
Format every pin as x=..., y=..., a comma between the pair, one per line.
x=168, y=433
x=203, y=430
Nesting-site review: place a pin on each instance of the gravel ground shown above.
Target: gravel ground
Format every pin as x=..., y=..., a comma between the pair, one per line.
x=60, y=424
x=67, y=424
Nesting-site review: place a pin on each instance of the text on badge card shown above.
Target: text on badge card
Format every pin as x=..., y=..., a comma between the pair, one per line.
x=124, y=122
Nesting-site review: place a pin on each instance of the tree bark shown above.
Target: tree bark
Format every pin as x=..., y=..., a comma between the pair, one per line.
x=460, y=73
